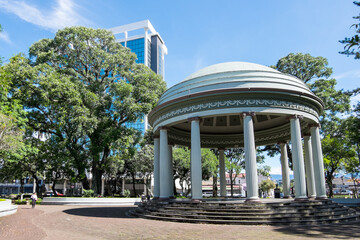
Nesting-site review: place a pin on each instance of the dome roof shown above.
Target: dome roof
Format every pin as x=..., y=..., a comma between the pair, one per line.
x=220, y=94
x=236, y=76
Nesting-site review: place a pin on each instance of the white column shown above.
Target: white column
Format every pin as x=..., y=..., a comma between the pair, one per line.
x=102, y=186
x=309, y=167
x=65, y=183
x=164, y=164
x=250, y=158
x=318, y=163
x=171, y=174
x=285, y=171
x=196, y=174
x=222, y=173
x=34, y=186
x=298, y=159
x=156, y=167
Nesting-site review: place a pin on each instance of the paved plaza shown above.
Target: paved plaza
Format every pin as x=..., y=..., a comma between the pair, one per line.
x=103, y=222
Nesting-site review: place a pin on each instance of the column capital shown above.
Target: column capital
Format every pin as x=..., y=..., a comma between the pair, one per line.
x=221, y=148
x=194, y=119
x=306, y=135
x=315, y=125
x=244, y=114
x=164, y=128
x=296, y=116
x=156, y=136
x=282, y=142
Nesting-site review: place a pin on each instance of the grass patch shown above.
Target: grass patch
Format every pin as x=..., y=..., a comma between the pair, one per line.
x=343, y=196
x=23, y=202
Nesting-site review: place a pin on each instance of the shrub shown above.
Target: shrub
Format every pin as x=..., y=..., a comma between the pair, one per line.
x=23, y=202
x=88, y=193
x=126, y=193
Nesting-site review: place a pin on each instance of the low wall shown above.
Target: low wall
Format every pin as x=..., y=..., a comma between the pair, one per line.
x=89, y=201
x=350, y=202
x=6, y=208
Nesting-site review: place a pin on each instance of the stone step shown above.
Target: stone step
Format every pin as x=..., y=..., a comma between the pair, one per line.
x=254, y=217
x=283, y=209
x=272, y=213
x=255, y=222
x=285, y=213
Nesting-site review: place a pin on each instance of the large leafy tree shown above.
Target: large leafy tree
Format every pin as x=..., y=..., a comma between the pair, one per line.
x=314, y=71
x=80, y=89
x=352, y=43
x=337, y=153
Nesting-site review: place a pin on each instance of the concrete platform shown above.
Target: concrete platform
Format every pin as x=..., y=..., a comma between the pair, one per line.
x=90, y=201
x=6, y=208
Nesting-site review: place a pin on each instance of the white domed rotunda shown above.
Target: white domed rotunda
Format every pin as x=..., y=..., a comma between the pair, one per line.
x=239, y=104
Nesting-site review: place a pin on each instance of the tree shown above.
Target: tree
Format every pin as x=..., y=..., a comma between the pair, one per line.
x=264, y=170
x=143, y=165
x=352, y=44
x=267, y=185
x=314, y=71
x=82, y=87
x=352, y=167
x=352, y=129
x=336, y=152
x=234, y=162
x=181, y=166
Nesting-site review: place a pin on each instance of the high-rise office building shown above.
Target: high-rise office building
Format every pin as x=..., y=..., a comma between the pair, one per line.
x=147, y=44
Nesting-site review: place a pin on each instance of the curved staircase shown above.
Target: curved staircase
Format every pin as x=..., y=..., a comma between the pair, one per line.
x=238, y=212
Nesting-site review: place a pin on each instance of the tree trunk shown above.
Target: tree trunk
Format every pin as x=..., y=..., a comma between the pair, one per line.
x=215, y=189
x=133, y=183
x=329, y=179
x=38, y=189
x=53, y=187
x=174, y=189
x=22, y=185
x=355, y=183
x=231, y=184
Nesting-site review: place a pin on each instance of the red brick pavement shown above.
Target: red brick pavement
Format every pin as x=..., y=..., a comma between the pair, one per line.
x=102, y=222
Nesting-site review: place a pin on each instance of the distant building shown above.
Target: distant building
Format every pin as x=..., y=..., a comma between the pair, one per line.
x=143, y=40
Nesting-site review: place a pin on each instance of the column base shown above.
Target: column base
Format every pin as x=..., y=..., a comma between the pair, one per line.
x=196, y=200
x=253, y=200
x=302, y=199
x=172, y=197
x=287, y=197
x=321, y=198
x=163, y=199
x=311, y=198
x=155, y=198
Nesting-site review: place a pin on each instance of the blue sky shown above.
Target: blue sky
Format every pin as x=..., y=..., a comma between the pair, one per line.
x=200, y=33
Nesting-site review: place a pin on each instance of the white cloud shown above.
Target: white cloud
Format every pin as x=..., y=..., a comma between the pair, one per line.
x=62, y=14
x=4, y=36
x=349, y=74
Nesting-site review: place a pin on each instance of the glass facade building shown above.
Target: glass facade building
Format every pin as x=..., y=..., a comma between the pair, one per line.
x=149, y=48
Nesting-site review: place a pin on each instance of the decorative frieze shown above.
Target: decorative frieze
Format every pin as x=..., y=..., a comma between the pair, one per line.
x=233, y=104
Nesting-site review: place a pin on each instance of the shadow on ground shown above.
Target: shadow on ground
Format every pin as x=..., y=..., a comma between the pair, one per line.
x=103, y=212
x=338, y=231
